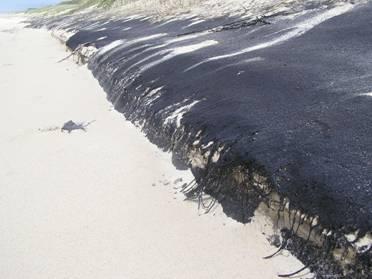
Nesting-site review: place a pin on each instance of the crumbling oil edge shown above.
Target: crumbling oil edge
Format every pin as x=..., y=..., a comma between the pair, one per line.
x=242, y=187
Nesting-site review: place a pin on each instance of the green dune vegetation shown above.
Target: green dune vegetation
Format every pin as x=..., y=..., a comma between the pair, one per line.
x=148, y=7
x=71, y=6
x=204, y=8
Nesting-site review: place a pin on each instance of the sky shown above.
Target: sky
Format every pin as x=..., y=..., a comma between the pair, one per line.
x=19, y=5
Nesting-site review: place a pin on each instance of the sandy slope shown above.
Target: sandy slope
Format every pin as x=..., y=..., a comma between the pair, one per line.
x=101, y=203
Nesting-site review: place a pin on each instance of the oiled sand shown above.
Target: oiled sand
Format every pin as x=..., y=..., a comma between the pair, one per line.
x=101, y=203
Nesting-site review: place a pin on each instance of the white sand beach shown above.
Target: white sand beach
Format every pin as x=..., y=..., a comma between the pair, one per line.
x=101, y=203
